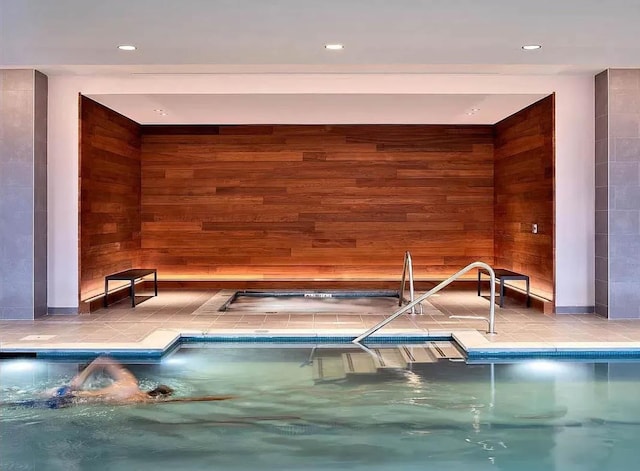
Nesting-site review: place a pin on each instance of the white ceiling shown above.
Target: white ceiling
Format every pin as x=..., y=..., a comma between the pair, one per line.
x=288, y=36
x=576, y=34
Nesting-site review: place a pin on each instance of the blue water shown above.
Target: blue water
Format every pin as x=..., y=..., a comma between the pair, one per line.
x=533, y=415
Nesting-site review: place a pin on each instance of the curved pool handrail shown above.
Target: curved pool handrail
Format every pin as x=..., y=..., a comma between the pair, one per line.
x=407, y=268
x=403, y=309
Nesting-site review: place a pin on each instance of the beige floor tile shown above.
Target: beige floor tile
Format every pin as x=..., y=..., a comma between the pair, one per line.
x=174, y=310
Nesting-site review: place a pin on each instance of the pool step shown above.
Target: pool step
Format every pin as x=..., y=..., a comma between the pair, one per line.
x=339, y=366
x=417, y=354
x=431, y=352
x=389, y=358
x=446, y=351
x=360, y=363
x=328, y=369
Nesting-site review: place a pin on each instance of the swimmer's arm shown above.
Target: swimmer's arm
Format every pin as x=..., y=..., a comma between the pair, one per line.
x=78, y=381
x=198, y=399
x=88, y=393
x=119, y=373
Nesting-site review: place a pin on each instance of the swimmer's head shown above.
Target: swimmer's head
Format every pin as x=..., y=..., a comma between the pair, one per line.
x=161, y=391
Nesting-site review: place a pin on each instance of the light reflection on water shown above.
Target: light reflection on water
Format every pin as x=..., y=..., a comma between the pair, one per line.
x=442, y=415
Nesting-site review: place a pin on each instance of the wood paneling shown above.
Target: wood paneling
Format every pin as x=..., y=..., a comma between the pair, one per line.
x=315, y=202
x=109, y=195
x=524, y=194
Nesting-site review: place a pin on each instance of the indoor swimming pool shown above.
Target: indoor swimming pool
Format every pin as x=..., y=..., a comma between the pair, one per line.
x=331, y=407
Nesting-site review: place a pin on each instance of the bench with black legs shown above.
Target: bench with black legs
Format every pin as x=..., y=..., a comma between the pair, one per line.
x=132, y=276
x=503, y=275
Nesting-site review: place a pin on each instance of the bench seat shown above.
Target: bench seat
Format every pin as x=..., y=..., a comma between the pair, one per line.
x=130, y=275
x=503, y=275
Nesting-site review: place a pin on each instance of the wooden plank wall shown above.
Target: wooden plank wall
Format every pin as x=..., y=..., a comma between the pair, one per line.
x=109, y=195
x=315, y=202
x=524, y=194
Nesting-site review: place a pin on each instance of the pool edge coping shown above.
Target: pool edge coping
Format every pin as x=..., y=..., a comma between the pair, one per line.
x=475, y=345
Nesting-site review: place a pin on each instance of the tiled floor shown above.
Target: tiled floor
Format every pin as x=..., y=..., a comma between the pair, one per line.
x=196, y=311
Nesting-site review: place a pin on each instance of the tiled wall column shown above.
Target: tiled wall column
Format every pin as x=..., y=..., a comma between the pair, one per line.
x=23, y=194
x=618, y=193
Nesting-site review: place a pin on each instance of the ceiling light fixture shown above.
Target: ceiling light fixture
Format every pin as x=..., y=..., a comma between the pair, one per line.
x=334, y=47
x=531, y=47
x=127, y=47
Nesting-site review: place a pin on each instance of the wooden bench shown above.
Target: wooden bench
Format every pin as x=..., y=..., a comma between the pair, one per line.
x=503, y=275
x=130, y=275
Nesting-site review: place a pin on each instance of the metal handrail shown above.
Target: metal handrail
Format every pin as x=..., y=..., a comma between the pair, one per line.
x=407, y=267
x=403, y=309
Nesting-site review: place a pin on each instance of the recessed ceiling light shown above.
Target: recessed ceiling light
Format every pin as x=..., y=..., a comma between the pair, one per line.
x=334, y=47
x=127, y=47
x=163, y=114
x=531, y=47
x=475, y=109
x=158, y=110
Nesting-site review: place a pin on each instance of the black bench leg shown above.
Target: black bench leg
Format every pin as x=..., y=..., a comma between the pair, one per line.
x=528, y=296
x=155, y=281
x=501, y=293
x=479, y=277
x=133, y=293
x=106, y=293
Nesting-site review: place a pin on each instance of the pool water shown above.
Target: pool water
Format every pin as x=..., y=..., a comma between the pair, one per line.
x=445, y=415
x=332, y=302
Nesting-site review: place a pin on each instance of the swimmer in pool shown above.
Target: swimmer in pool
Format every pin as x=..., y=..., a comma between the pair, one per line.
x=123, y=390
